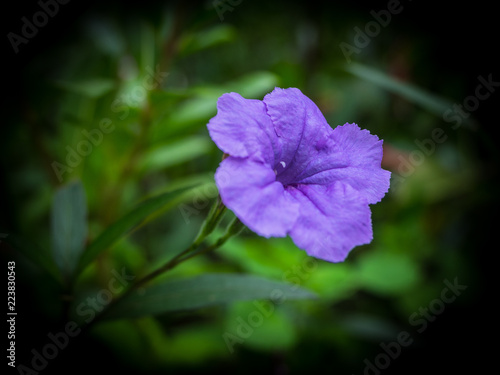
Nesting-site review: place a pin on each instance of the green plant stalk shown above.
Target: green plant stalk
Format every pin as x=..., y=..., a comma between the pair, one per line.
x=233, y=229
x=210, y=223
x=214, y=216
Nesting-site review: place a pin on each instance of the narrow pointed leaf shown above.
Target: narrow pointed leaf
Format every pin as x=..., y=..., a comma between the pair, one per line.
x=130, y=221
x=412, y=93
x=202, y=291
x=68, y=227
x=90, y=87
x=175, y=153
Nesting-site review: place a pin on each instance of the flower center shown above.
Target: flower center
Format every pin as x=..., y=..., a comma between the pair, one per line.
x=283, y=165
x=283, y=174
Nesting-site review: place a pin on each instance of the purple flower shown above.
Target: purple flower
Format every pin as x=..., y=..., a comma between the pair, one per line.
x=289, y=173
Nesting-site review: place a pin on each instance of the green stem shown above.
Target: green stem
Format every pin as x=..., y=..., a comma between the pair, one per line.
x=233, y=229
x=214, y=216
x=213, y=219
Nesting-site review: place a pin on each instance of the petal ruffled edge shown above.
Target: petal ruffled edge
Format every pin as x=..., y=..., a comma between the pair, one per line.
x=242, y=128
x=333, y=220
x=352, y=156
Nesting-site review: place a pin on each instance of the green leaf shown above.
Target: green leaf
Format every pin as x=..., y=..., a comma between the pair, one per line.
x=127, y=338
x=414, y=94
x=69, y=226
x=254, y=85
x=206, y=38
x=202, y=291
x=387, y=273
x=178, y=346
x=202, y=105
x=91, y=87
x=175, y=153
x=368, y=327
x=333, y=281
x=106, y=35
x=267, y=326
x=131, y=221
x=192, y=111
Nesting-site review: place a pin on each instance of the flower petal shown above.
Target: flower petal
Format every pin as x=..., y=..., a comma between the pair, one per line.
x=242, y=128
x=249, y=188
x=333, y=220
x=301, y=129
x=353, y=156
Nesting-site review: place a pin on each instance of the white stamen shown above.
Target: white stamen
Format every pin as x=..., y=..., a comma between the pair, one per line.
x=275, y=172
x=283, y=164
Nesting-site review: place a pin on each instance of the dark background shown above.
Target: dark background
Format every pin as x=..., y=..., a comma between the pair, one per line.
x=461, y=41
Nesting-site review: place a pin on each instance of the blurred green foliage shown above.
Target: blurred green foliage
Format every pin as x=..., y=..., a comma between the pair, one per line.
x=121, y=104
